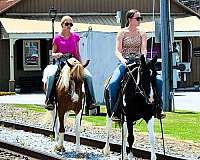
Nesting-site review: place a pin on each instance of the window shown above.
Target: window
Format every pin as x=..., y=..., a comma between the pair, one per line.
x=31, y=55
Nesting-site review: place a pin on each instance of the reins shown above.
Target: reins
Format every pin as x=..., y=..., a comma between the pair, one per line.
x=141, y=90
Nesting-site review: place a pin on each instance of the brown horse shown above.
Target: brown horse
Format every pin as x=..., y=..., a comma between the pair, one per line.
x=69, y=97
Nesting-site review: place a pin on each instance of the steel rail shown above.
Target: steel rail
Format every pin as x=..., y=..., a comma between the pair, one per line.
x=91, y=142
x=36, y=154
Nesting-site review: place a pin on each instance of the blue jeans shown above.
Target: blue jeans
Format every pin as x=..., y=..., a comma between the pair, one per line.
x=114, y=84
x=159, y=83
x=87, y=79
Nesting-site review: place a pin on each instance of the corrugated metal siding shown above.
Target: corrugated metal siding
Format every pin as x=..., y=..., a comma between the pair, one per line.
x=88, y=6
x=4, y=69
x=195, y=74
x=99, y=47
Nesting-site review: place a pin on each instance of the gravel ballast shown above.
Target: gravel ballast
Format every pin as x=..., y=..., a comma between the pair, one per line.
x=188, y=150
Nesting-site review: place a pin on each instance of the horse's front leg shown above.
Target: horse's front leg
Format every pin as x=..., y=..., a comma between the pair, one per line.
x=124, y=138
x=78, y=131
x=130, y=137
x=106, y=149
x=150, y=127
x=59, y=147
x=55, y=123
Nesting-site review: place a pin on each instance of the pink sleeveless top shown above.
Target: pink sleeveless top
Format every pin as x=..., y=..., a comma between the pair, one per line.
x=67, y=45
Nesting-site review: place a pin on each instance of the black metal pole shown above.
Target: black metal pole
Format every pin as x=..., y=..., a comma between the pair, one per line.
x=52, y=27
x=53, y=19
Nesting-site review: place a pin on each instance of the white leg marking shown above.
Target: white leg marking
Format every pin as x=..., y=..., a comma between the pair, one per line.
x=106, y=149
x=125, y=133
x=57, y=124
x=150, y=127
x=77, y=131
x=61, y=139
x=65, y=118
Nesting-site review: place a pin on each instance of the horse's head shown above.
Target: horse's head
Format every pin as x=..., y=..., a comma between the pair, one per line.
x=142, y=75
x=72, y=71
x=76, y=69
x=148, y=74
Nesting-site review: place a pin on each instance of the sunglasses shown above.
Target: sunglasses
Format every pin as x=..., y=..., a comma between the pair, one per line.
x=138, y=18
x=67, y=24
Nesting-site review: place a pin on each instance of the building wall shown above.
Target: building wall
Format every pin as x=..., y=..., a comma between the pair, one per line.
x=4, y=64
x=89, y=6
x=194, y=76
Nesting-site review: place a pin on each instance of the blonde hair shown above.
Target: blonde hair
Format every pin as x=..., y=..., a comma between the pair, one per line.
x=65, y=18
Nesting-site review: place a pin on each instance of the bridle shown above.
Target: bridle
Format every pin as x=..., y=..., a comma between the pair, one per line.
x=138, y=88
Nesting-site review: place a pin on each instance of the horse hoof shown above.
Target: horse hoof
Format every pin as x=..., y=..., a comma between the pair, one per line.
x=78, y=150
x=106, y=151
x=153, y=157
x=130, y=156
x=59, y=148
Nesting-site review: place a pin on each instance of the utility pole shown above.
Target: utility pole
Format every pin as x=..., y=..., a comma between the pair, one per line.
x=165, y=53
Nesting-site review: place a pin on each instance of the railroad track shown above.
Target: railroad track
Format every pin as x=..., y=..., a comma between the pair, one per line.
x=84, y=141
x=10, y=151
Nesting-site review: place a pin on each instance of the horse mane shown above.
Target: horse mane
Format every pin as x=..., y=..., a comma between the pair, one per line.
x=76, y=73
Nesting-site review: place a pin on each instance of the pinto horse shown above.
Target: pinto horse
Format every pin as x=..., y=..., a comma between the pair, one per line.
x=69, y=97
x=138, y=82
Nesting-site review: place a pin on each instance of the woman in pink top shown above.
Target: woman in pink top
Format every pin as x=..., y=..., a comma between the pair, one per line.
x=67, y=43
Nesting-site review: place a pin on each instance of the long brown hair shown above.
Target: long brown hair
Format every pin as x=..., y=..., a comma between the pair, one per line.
x=130, y=14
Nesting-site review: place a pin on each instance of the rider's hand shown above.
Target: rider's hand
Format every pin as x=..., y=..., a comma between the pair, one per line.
x=124, y=61
x=58, y=55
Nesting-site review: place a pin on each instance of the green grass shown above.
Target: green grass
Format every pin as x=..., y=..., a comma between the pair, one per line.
x=182, y=125
x=31, y=107
x=6, y=93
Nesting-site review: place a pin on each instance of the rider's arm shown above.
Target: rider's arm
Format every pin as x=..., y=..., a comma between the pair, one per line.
x=54, y=52
x=144, y=43
x=119, y=48
x=78, y=52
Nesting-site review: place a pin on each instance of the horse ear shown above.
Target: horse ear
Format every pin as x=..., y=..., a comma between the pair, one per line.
x=142, y=59
x=86, y=63
x=69, y=64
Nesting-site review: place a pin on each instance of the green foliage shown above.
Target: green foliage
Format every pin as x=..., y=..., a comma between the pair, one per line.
x=7, y=93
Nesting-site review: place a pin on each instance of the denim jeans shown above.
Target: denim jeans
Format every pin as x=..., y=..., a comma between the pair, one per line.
x=159, y=83
x=114, y=84
x=87, y=79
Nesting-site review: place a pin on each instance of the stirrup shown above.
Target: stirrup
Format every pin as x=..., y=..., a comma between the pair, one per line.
x=160, y=115
x=49, y=105
x=115, y=118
